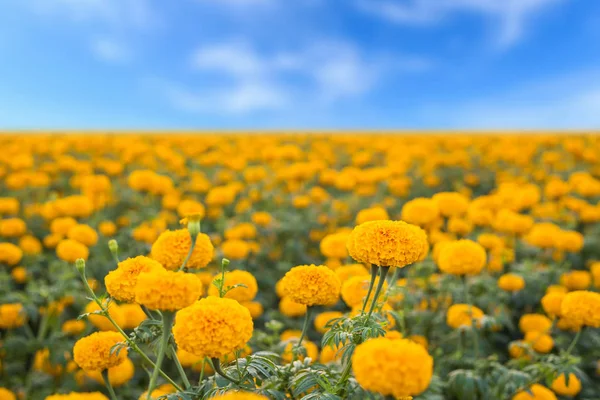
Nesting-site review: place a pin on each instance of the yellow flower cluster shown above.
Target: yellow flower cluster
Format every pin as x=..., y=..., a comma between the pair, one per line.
x=121, y=282
x=159, y=289
x=312, y=285
x=172, y=247
x=94, y=352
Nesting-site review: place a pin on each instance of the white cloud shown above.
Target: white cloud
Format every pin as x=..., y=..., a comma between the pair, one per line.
x=558, y=102
x=323, y=73
x=110, y=51
x=511, y=15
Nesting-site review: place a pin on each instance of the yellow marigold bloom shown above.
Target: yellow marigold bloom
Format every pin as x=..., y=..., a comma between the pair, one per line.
x=290, y=308
x=171, y=248
x=420, y=211
x=330, y=354
x=490, y=241
x=462, y=257
x=557, y=289
x=354, y=290
x=30, y=245
x=78, y=396
x=159, y=289
x=61, y=226
x=552, y=303
x=83, y=234
x=459, y=315
x=187, y=207
x=9, y=205
x=70, y=250
x=559, y=385
x=134, y=315
x=543, y=235
x=121, y=282
x=159, y=392
x=538, y=392
x=41, y=362
x=93, y=352
x=392, y=367
x=12, y=315
x=312, y=285
x=107, y=228
x=256, y=309
x=73, y=327
x=12, y=227
x=52, y=240
x=571, y=241
x=100, y=321
x=213, y=327
x=323, y=318
x=6, y=394
x=541, y=342
x=289, y=334
x=517, y=349
x=235, y=395
x=582, y=307
x=576, y=280
x=534, y=323
x=10, y=254
x=387, y=243
x=346, y=272
x=595, y=271
x=19, y=274
x=371, y=214
x=236, y=277
x=334, y=245
x=235, y=249
x=117, y=375
x=451, y=204
x=262, y=218
x=459, y=226
x=511, y=282
x=311, y=351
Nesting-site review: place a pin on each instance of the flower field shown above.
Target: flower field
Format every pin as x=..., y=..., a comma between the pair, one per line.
x=299, y=266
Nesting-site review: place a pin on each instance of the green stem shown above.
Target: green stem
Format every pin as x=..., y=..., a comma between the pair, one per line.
x=304, y=330
x=382, y=273
x=344, y=377
x=217, y=367
x=184, y=378
x=575, y=340
x=373, y=276
x=43, y=326
x=473, y=322
x=391, y=284
x=168, y=318
x=189, y=254
x=202, y=371
x=111, y=391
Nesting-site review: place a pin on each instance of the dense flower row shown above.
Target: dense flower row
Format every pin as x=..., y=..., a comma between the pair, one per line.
x=299, y=266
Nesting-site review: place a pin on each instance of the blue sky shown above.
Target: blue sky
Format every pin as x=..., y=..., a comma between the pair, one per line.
x=252, y=64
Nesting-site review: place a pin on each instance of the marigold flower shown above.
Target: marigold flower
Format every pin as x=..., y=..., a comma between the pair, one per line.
x=536, y=392
x=312, y=285
x=262, y=218
x=582, y=307
x=534, y=323
x=100, y=321
x=576, y=280
x=213, y=327
x=70, y=250
x=187, y=207
x=552, y=303
x=323, y=318
x=459, y=315
x=235, y=249
x=559, y=385
x=6, y=394
x=30, y=245
x=334, y=245
x=121, y=282
x=12, y=316
x=12, y=227
x=107, y=228
x=256, y=309
x=392, y=367
x=159, y=392
x=235, y=395
x=346, y=272
x=93, y=352
x=84, y=234
x=462, y=257
x=236, y=277
x=159, y=289
x=354, y=290
x=19, y=274
x=10, y=254
x=387, y=243
x=61, y=226
x=541, y=342
x=78, y=396
x=451, y=204
x=420, y=211
x=117, y=375
x=134, y=315
x=171, y=248
x=290, y=308
x=511, y=282
x=371, y=214
x=73, y=327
